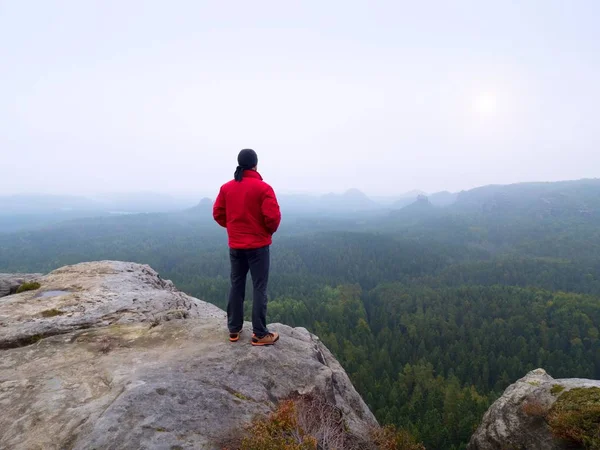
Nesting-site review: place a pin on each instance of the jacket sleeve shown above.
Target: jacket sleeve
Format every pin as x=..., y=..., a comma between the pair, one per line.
x=270, y=211
x=219, y=213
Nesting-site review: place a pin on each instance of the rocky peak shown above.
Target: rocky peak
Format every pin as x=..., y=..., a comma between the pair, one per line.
x=532, y=413
x=108, y=354
x=203, y=207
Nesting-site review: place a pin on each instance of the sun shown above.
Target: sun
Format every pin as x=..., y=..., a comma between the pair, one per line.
x=484, y=104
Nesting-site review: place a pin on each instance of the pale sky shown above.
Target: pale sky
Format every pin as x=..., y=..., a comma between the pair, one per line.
x=101, y=96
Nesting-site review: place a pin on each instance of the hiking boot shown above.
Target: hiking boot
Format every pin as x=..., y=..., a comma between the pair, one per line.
x=234, y=337
x=267, y=339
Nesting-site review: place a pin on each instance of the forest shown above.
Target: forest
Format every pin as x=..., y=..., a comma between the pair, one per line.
x=433, y=311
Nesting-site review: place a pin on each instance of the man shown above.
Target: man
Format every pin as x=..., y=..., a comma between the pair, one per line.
x=248, y=208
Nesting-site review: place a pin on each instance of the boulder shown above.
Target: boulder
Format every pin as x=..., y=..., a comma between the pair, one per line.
x=519, y=418
x=10, y=282
x=130, y=362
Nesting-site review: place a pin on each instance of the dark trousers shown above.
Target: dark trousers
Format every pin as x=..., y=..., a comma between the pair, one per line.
x=257, y=261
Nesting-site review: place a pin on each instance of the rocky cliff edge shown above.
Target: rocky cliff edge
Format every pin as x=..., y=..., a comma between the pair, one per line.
x=109, y=355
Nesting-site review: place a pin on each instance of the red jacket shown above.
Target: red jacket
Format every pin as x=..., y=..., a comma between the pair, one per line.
x=249, y=210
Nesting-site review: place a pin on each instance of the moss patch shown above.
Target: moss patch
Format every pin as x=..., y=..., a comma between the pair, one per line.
x=52, y=312
x=28, y=287
x=576, y=417
x=557, y=389
x=241, y=396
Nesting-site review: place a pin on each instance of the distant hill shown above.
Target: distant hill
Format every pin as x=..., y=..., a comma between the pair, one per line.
x=129, y=202
x=302, y=203
x=34, y=211
x=43, y=204
x=390, y=200
x=351, y=201
x=422, y=203
x=552, y=198
x=580, y=197
x=419, y=209
x=201, y=213
x=444, y=198
x=31, y=211
x=144, y=202
x=205, y=206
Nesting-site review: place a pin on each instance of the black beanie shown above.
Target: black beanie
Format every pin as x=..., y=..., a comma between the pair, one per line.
x=247, y=159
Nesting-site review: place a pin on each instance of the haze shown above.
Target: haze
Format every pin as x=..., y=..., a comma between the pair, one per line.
x=385, y=97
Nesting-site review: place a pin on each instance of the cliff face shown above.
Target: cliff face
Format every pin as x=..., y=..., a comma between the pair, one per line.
x=108, y=354
x=539, y=412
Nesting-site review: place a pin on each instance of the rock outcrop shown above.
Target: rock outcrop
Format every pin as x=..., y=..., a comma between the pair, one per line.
x=10, y=282
x=91, y=295
x=518, y=419
x=109, y=355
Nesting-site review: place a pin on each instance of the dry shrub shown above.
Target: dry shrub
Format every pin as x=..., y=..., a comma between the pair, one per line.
x=322, y=420
x=534, y=408
x=388, y=438
x=309, y=422
x=280, y=431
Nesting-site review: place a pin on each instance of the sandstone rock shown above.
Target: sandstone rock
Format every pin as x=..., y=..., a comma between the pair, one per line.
x=91, y=295
x=9, y=282
x=516, y=420
x=132, y=381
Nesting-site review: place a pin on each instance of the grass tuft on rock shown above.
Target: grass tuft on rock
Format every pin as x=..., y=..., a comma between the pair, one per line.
x=52, y=312
x=575, y=417
x=29, y=286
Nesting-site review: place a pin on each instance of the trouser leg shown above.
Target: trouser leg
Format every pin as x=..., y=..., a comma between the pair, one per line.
x=259, y=261
x=237, y=293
